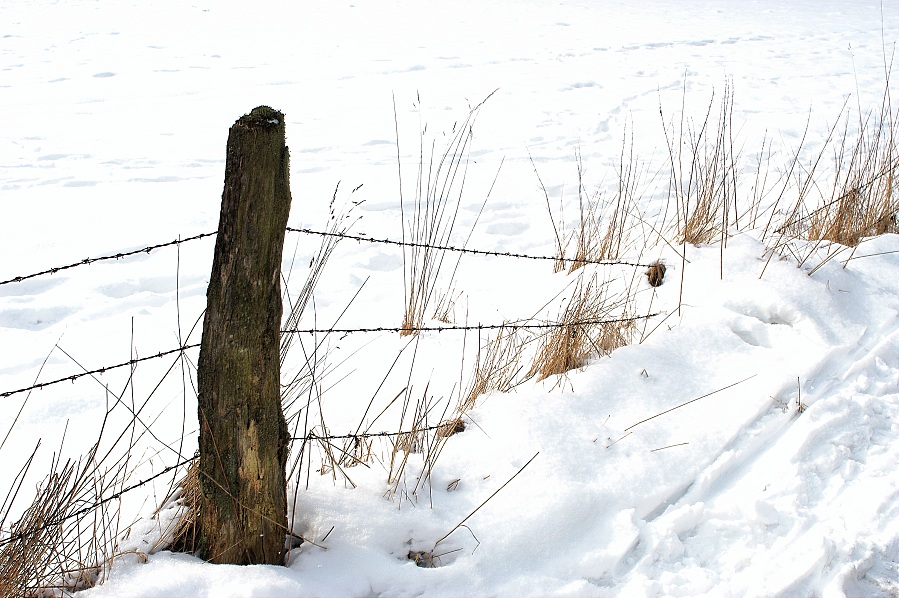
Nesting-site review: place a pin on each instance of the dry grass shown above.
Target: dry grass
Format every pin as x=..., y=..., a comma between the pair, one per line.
x=590, y=324
x=419, y=433
x=865, y=202
x=604, y=233
x=340, y=221
x=438, y=195
x=862, y=201
x=181, y=533
x=604, y=228
x=66, y=538
x=498, y=367
x=703, y=174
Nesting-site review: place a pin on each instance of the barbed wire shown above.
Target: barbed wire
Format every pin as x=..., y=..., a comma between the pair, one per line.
x=360, y=238
x=526, y=256
x=102, y=370
x=506, y=326
x=15, y=536
x=364, y=435
x=311, y=436
x=116, y=256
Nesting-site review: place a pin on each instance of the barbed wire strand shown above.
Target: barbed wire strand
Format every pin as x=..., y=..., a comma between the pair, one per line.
x=361, y=238
x=309, y=437
x=116, y=256
x=364, y=435
x=13, y=537
x=507, y=326
x=102, y=370
x=526, y=256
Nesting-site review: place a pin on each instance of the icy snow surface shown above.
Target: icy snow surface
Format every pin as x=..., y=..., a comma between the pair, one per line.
x=114, y=122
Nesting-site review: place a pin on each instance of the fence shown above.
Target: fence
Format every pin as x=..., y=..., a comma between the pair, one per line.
x=521, y=324
x=528, y=324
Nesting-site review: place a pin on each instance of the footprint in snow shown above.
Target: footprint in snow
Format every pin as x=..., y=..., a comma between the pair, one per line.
x=33, y=319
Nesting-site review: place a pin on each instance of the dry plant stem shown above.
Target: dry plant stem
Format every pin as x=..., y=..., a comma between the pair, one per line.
x=25, y=402
x=588, y=228
x=560, y=246
x=438, y=196
x=432, y=451
x=11, y=495
x=604, y=229
x=340, y=222
x=584, y=330
x=761, y=181
x=414, y=441
x=469, y=516
x=315, y=365
x=704, y=198
x=792, y=227
x=181, y=533
x=864, y=202
x=643, y=421
x=497, y=368
x=49, y=547
x=446, y=301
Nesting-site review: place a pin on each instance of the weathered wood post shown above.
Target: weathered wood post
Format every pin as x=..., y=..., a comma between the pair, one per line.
x=243, y=436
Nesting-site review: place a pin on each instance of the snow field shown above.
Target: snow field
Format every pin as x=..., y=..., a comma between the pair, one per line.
x=113, y=139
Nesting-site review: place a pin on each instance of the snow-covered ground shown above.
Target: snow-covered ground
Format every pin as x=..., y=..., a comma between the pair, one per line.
x=114, y=121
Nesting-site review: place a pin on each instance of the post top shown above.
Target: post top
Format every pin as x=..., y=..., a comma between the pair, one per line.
x=261, y=116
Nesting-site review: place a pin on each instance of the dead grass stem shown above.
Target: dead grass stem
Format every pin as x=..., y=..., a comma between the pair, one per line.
x=498, y=367
x=703, y=175
x=590, y=326
x=440, y=182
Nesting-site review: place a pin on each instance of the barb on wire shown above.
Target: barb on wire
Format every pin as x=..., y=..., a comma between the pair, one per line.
x=506, y=325
x=525, y=256
x=364, y=435
x=116, y=256
x=74, y=377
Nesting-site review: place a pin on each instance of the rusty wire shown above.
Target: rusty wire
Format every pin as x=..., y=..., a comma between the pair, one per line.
x=506, y=325
x=116, y=256
x=359, y=238
x=484, y=252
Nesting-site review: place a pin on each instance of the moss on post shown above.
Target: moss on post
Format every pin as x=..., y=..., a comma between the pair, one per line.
x=243, y=435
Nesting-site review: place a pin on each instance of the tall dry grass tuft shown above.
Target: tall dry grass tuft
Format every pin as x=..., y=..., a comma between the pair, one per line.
x=180, y=534
x=421, y=432
x=864, y=201
x=591, y=324
x=604, y=228
x=340, y=222
x=66, y=538
x=498, y=368
x=703, y=178
x=438, y=195
x=604, y=231
x=300, y=376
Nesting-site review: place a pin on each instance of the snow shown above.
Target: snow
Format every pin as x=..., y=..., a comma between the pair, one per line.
x=781, y=481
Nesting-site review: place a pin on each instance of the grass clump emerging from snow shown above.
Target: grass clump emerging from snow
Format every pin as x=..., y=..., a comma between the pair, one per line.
x=590, y=324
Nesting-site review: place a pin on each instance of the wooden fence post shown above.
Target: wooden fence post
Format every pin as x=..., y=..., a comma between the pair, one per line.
x=243, y=436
